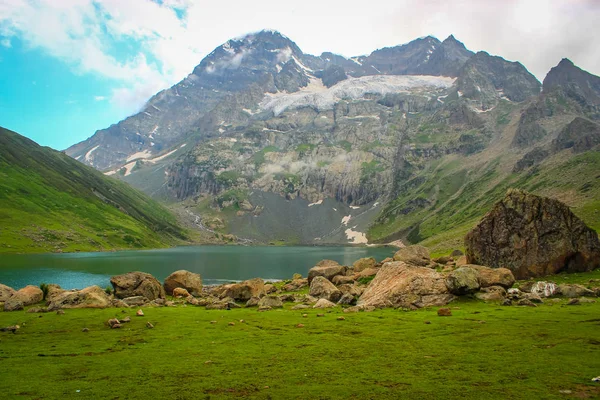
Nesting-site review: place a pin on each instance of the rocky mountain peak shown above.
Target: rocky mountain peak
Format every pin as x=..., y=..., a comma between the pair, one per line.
x=575, y=83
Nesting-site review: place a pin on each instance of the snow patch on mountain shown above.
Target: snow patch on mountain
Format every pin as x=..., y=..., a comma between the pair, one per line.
x=318, y=96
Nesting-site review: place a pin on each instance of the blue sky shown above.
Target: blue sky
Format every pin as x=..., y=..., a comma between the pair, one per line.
x=70, y=67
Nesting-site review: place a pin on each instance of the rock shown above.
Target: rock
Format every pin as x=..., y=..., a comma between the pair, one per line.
x=354, y=290
x=544, y=289
x=526, y=302
x=324, y=303
x=287, y=298
x=231, y=324
x=264, y=308
x=493, y=276
x=583, y=300
x=444, y=312
x=218, y=305
x=443, y=260
x=296, y=284
x=137, y=284
x=269, y=288
x=90, y=297
x=85, y=330
x=364, y=263
x=320, y=315
x=507, y=302
x=573, y=302
x=327, y=269
x=12, y=329
x=113, y=321
x=533, y=236
x=514, y=292
x=296, y=277
x=300, y=307
x=492, y=294
x=6, y=292
x=359, y=309
x=243, y=291
x=139, y=313
x=135, y=301
x=342, y=280
x=270, y=301
x=191, y=300
x=527, y=286
x=300, y=326
x=183, y=279
x=118, y=303
x=30, y=295
x=571, y=290
x=149, y=325
x=341, y=318
x=365, y=273
x=126, y=320
x=60, y=312
x=398, y=284
x=534, y=298
x=462, y=281
x=253, y=302
x=53, y=291
x=180, y=292
x=38, y=310
x=13, y=304
x=321, y=288
x=347, y=299
x=415, y=255
x=461, y=261
x=232, y=305
x=456, y=253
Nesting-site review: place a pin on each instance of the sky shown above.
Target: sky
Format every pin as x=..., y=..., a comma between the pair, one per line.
x=71, y=67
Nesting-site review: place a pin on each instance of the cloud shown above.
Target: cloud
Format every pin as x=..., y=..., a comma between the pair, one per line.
x=99, y=98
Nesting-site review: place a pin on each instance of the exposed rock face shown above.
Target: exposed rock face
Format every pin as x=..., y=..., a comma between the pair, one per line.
x=321, y=288
x=90, y=297
x=30, y=295
x=532, y=236
x=398, y=284
x=244, y=291
x=575, y=82
x=414, y=255
x=462, y=281
x=327, y=269
x=184, y=279
x=6, y=292
x=580, y=135
x=137, y=284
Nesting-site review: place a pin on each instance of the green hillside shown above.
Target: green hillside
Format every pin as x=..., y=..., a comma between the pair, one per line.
x=50, y=202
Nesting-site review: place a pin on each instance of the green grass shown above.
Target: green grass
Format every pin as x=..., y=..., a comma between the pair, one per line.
x=482, y=352
x=50, y=202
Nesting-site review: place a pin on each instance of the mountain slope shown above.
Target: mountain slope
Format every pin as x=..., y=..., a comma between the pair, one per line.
x=50, y=202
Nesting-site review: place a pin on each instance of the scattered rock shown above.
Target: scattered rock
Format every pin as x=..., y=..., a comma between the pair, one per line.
x=295, y=284
x=149, y=325
x=493, y=276
x=139, y=313
x=300, y=326
x=300, y=307
x=544, y=289
x=271, y=302
x=526, y=302
x=572, y=290
x=573, y=302
x=218, y=305
x=327, y=269
x=12, y=329
x=90, y=297
x=398, y=284
x=29, y=295
x=287, y=298
x=137, y=284
x=269, y=288
x=60, y=312
x=213, y=322
x=244, y=291
x=492, y=294
x=38, y=310
x=347, y=299
x=427, y=322
x=324, y=303
x=13, y=304
x=443, y=260
x=242, y=321
x=415, y=255
x=341, y=318
x=507, y=302
x=180, y=292
x=461, y=261
x=253, y=302
x=462, y=281
x=85, y=330
x=135, y=301
x=444, y=312
x=456, y=253
x=183, y=279
x=231, y=324
x=342, y=280
x=364, y=263
x=321, y=288
x=114, y=322
x=359, y=308
x=320, y=315
x=296, y=276
x=365, y=273
x=125, y=320
x=533, y=236
x=6, y=292
x=583, y=300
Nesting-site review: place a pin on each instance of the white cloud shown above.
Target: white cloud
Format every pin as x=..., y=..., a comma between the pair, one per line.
x=99, y=98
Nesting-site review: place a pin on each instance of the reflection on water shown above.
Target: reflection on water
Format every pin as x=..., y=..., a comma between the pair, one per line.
x=216, y=264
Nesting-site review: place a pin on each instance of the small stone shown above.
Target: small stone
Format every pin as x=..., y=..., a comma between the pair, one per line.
x=427, y=322
x=213, y=322
x=115, y=326
x=444, y=312
x=231, y=324
x=300, y=326
x=341, y=318
x=573, y=302
x=113, y=321
x=526, y=302
x=149, y=325
x=507, y=302
x=60, y=312
x=304, y=315
x=139, y=313
x=565, y=391
x=208, y=362
x=85, y=330
x=320, y=315
x=242, y=321
x=596, y=379
x=126, y=320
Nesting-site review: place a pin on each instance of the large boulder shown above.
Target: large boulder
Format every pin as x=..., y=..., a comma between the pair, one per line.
x=321, y=288
x=6, y=292
x=137, y=284
x=324, y=303
x=327, y=269
x=574, y=290
x=13, y=304
x=364, y=263
x=30, y=295
x=532, y=236
x=90, y=297
x=243, y=291
x=462, y=281
x=186, y=280
x=270, y=301
x=413, y=255
x=398, y=284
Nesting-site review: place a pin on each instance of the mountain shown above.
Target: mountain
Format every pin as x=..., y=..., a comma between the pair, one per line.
x=412, y=142
x=50, y=202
